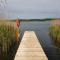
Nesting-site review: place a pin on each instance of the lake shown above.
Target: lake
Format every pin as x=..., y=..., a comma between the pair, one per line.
x=42, y=31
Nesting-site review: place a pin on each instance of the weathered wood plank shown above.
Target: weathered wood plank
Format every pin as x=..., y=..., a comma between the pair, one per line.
x=30, y=48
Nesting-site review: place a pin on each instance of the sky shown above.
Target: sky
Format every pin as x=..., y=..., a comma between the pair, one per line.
x=33, y=9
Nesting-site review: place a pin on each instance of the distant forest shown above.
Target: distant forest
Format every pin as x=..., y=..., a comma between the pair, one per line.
x=48, y=19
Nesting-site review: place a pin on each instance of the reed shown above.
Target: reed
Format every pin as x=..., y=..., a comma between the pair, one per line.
x=7, y=39
x=54, y=32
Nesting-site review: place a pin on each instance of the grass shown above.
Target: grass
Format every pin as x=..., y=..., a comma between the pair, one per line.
x=54, y=32
x=7, y=38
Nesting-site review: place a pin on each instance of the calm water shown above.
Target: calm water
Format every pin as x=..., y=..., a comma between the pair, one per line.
x=41, y=30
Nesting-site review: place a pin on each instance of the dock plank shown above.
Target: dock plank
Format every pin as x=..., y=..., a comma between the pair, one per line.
x=30, y=48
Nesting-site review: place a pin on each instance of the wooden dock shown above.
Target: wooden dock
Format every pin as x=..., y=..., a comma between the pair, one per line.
x=30, y=48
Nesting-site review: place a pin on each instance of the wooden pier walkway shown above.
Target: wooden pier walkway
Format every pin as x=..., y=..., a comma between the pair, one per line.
x=30, y=48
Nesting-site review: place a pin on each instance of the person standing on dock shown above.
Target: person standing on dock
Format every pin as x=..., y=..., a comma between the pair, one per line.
x=18, y=32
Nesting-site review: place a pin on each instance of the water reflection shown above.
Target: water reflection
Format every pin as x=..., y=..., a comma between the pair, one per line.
x=41, y=30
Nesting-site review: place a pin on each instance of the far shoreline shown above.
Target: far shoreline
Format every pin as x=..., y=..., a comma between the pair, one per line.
x=47, y=19
x=52, y=20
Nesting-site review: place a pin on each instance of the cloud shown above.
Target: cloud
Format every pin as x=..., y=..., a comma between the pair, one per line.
x=34, y=8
